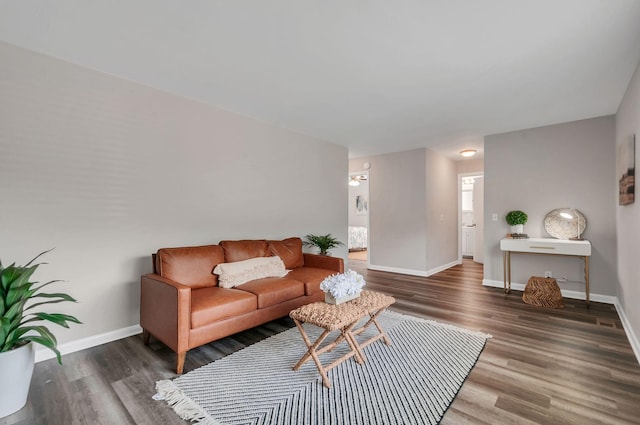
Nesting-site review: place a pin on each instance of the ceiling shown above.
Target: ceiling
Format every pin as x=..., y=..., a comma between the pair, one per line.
x=375, y=76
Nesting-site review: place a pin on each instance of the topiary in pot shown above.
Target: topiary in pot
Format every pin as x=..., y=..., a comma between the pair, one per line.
x=18, y=330
x=323, y=242
x=516, y=219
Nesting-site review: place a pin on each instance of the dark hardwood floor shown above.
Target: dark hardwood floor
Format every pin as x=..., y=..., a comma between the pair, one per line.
x=542, y=366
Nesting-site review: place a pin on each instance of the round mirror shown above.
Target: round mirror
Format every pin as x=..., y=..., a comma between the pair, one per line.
x=565, y=223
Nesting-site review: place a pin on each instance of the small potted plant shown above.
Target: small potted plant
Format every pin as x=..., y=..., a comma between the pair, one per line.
x=18, y=297
x=516, y=219
x=323, y=242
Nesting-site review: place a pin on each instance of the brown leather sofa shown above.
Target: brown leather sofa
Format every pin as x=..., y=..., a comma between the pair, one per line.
x=182, y=305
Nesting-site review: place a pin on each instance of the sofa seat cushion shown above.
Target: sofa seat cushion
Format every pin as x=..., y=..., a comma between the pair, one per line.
x=311, y=277
x=273, y=290
x=209, y=305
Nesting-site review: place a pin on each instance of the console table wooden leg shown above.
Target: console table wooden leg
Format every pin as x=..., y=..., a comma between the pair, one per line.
x=506, y=271
x=586, y=278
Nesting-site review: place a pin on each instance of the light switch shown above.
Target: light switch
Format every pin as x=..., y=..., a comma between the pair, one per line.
x=494, y=217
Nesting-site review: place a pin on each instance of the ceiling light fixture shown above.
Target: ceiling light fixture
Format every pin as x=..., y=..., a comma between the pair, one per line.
x=468, y=152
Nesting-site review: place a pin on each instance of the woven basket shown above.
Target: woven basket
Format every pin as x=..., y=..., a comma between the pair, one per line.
x=543, y=292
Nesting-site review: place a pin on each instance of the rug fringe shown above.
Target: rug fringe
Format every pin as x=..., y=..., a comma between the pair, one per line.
x=181, y=404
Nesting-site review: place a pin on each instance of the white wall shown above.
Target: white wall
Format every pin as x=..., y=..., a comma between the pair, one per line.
x=397, y=210
x=107, y=171
x=442, y=211
x=628, y=218
x=408, y=193
x=540, y=169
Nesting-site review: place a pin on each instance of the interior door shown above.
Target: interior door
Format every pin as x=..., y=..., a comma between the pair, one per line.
x=478, y=211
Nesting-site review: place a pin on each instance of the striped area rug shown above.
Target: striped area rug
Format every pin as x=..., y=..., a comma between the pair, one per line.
x=413, y=381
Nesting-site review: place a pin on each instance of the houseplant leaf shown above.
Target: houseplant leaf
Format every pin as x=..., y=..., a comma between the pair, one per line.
x=57, y=318
x=56, y=298
x=16, y=316
x=323, y=242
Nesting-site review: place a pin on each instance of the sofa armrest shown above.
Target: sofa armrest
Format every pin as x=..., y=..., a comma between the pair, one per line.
x=165, y=310
x=324, y=262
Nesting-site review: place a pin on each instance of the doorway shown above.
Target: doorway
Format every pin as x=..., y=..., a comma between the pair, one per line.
x=358, y=233
x=471, y=217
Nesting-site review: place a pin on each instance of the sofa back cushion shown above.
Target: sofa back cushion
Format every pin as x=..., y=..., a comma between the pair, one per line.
x=192, y=266
x=289, y=250
x=243, y=250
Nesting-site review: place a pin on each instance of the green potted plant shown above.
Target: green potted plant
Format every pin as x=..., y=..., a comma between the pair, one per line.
x=323, y=242
x=516, y=219
x=19, y=330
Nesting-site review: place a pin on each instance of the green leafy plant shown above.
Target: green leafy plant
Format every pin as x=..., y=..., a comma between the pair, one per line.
x=323, y=242
x=516, y=217
x=17, y=319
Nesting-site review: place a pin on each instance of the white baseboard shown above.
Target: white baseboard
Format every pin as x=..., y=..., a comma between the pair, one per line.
x=421, y=273
x=631, y=335
x=43, y=353
x=441, y=268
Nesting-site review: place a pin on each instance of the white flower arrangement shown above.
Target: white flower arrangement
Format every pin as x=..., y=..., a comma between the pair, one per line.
x=342, y=285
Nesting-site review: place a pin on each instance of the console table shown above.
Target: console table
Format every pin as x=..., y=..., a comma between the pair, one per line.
x=546, y=246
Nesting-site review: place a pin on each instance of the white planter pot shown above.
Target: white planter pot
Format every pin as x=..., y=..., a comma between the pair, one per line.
x=329, y=299
x=16, y=369
x=517, y=228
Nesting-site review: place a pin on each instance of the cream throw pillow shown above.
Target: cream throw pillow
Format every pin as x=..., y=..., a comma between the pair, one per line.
x=239, y=272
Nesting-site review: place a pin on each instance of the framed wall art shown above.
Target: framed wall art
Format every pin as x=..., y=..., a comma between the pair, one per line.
x=627, y=170
x=362, y=207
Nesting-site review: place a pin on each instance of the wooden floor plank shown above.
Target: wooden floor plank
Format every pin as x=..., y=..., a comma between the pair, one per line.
x=542, y=366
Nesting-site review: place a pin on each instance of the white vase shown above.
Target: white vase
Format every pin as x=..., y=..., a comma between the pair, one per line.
x=16, y=369
x=329, y=299
x=517, y=228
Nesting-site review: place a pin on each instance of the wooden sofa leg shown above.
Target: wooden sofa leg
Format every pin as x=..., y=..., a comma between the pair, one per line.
x=145, y=336
x=180, y=363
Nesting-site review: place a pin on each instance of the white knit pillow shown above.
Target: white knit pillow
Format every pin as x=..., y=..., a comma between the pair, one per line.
x=239, y=272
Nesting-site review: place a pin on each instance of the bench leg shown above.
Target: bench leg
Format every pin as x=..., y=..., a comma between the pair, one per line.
x=373, y=316
x=311, y=347
x=314, y=350
x=353, y=344
x=381, y=331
